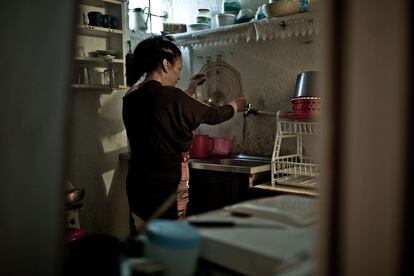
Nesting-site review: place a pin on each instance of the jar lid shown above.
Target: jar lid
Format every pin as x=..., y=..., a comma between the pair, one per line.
x=137, y=10
x=172, y=233
x=204, y=10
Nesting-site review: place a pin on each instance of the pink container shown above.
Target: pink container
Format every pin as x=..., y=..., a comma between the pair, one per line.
x=202, y=146
x=222, y=146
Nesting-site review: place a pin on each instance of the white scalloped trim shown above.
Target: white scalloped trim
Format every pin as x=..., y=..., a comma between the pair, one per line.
x=281, y=27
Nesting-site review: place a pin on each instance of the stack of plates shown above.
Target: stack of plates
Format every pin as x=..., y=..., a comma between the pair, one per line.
x=223, y=84
x=106, y=53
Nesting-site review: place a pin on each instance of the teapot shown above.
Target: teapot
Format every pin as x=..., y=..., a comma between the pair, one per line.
x=139, y=20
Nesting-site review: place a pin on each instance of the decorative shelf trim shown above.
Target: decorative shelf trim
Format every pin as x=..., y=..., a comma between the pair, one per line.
x=280, y=27
x=97, y=31
x=98, y=60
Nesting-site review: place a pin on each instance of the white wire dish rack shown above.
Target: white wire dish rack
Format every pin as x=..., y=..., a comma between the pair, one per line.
x=295, y=172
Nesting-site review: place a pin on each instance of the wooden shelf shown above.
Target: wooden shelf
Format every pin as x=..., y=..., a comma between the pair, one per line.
x=97, y=87
x=98, y=60
x=97, y=31
x=100, y=3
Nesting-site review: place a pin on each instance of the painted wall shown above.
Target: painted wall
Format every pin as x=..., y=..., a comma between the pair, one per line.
x=268, y=70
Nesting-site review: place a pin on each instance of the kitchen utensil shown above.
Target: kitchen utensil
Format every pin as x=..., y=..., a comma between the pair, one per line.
x=225, y=19
x=129, y=58
x=307, y=84
x=223, y=83
x=83, y=77
x=221, y=146
x=198, y=27
x=229, y=223
x=202, y=146
x=306, y=105
x=80, y=51
x=74, y=195
x=138, y=18
x=174, y=28
x=109, y=21
x=281, y=8
x=95, y=18
x=106, y=52
x=173, y=243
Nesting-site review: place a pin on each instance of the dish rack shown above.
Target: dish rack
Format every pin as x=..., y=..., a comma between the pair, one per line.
x=295, y=172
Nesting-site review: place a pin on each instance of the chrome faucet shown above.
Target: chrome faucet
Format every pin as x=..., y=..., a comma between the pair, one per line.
x=250, y=110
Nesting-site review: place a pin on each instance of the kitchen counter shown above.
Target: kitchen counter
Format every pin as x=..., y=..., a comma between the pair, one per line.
x=271, y=236
x=256, y=167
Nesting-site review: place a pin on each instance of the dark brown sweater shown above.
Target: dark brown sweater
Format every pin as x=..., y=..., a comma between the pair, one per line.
x=159, y=122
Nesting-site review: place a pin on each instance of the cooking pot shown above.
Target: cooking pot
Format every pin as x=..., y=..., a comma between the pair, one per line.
x=221, y=146
x=307, y=84
x=202, y=146
x=74, y=195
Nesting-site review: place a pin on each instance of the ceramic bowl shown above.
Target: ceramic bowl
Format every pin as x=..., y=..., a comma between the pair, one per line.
x=225, y=19
x=198, y=27
x=281, y=8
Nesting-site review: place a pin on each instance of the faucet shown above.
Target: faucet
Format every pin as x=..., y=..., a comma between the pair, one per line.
x=250, y=110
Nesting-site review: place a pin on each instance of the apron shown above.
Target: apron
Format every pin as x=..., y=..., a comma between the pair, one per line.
x=182, y=189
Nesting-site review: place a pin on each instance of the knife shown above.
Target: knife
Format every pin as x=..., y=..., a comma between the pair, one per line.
x=227, y=224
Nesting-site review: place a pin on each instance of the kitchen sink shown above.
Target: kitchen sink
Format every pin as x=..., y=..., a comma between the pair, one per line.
x=236, y=164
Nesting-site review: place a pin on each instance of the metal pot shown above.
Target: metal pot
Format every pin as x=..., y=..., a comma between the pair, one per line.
x=74, y=195
x=307, y=84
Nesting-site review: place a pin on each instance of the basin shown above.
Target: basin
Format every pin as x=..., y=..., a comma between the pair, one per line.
x=235, y=164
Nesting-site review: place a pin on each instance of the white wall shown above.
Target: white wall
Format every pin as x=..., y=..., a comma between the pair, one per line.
x=268, y=71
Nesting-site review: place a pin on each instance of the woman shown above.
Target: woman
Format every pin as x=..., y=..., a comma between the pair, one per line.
x=159, y=120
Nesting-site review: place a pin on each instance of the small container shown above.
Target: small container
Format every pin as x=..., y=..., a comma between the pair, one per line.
x=231, y=6
x=174, y=244
x=204, y=16
x=225, y=19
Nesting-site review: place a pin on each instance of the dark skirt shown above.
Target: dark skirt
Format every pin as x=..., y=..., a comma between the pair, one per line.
x=150, y=184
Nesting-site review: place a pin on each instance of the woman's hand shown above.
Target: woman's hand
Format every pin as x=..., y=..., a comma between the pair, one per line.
x=196, y=80
x=239, y=104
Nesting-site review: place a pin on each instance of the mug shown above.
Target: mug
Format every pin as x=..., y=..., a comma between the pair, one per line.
x=109, y=21
x=95, y=18
x=202, y=146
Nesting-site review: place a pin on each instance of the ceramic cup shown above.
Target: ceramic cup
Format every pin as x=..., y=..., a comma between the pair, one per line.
x=95, y=18
x=109, y=21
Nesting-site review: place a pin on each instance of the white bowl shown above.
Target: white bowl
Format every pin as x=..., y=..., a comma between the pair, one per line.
x=281, y=8
x=198, y=27
x=225, y=19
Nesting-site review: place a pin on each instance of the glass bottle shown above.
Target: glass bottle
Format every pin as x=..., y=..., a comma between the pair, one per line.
x=204, y=16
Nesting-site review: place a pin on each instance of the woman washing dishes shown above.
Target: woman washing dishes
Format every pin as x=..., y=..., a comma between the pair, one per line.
x=159, y=120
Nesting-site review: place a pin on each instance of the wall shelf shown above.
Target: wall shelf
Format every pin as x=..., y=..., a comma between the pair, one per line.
x=101, y=3
x=97, y=31
x=89, y=68
x=302, y=24
x=97, y=60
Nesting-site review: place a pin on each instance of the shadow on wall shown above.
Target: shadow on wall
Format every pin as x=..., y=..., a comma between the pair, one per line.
x=97, y=138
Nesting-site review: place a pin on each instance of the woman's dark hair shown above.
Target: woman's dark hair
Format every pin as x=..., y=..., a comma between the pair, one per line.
x=148, y=55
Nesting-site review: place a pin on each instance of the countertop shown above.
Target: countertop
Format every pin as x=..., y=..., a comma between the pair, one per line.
x=279, y=237
x=235, y=164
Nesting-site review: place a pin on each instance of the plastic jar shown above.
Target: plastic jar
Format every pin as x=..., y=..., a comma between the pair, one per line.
x=231, y=6
x=174, y=244
x=204, y=16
